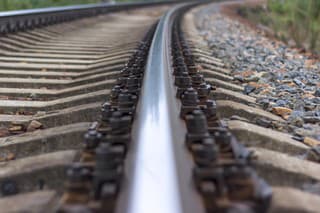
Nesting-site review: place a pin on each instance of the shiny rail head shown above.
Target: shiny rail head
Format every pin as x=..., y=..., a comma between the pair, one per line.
x=156, y=183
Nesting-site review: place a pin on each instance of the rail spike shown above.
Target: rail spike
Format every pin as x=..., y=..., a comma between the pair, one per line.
x=223, y=172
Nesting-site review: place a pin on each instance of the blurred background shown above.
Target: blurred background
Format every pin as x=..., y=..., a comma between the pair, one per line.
x=6, y=5
x=296, y=22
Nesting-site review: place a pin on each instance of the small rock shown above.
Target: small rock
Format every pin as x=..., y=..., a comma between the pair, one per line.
x=317, y=92
x=313, y=154
x=265, y=92
x=311, y=141
x=298, y=138
x=282, y=111
x=299, y=105
x=311, y=119
x=281, y=103
x=248, y=89
x=303, y=132
x=267, y=75
x=253, y=78
x=238, y=78
x=299, y=83
x=296, y=119
x=278, y=125
x=316, y=100
x=264, y=103
x=34, y=125
x=16, y=129
x=263, y=122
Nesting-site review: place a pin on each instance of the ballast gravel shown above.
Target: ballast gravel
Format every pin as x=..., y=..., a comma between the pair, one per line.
x=283, y=81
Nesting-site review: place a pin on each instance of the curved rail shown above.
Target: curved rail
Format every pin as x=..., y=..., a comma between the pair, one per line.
x=13, y=21
x=160, y=180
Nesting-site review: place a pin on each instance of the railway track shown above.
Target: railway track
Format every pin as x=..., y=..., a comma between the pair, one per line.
x=127, y=111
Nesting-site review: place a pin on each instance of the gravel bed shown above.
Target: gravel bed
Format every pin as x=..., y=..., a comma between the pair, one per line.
x=284, y=81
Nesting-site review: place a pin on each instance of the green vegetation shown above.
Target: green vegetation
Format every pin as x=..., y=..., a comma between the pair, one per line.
x=29, y=4
x=6, y=5
x=297, y=20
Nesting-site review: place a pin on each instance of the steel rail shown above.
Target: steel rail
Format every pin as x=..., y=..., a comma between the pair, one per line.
x=161, y=168
x=13, y=21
